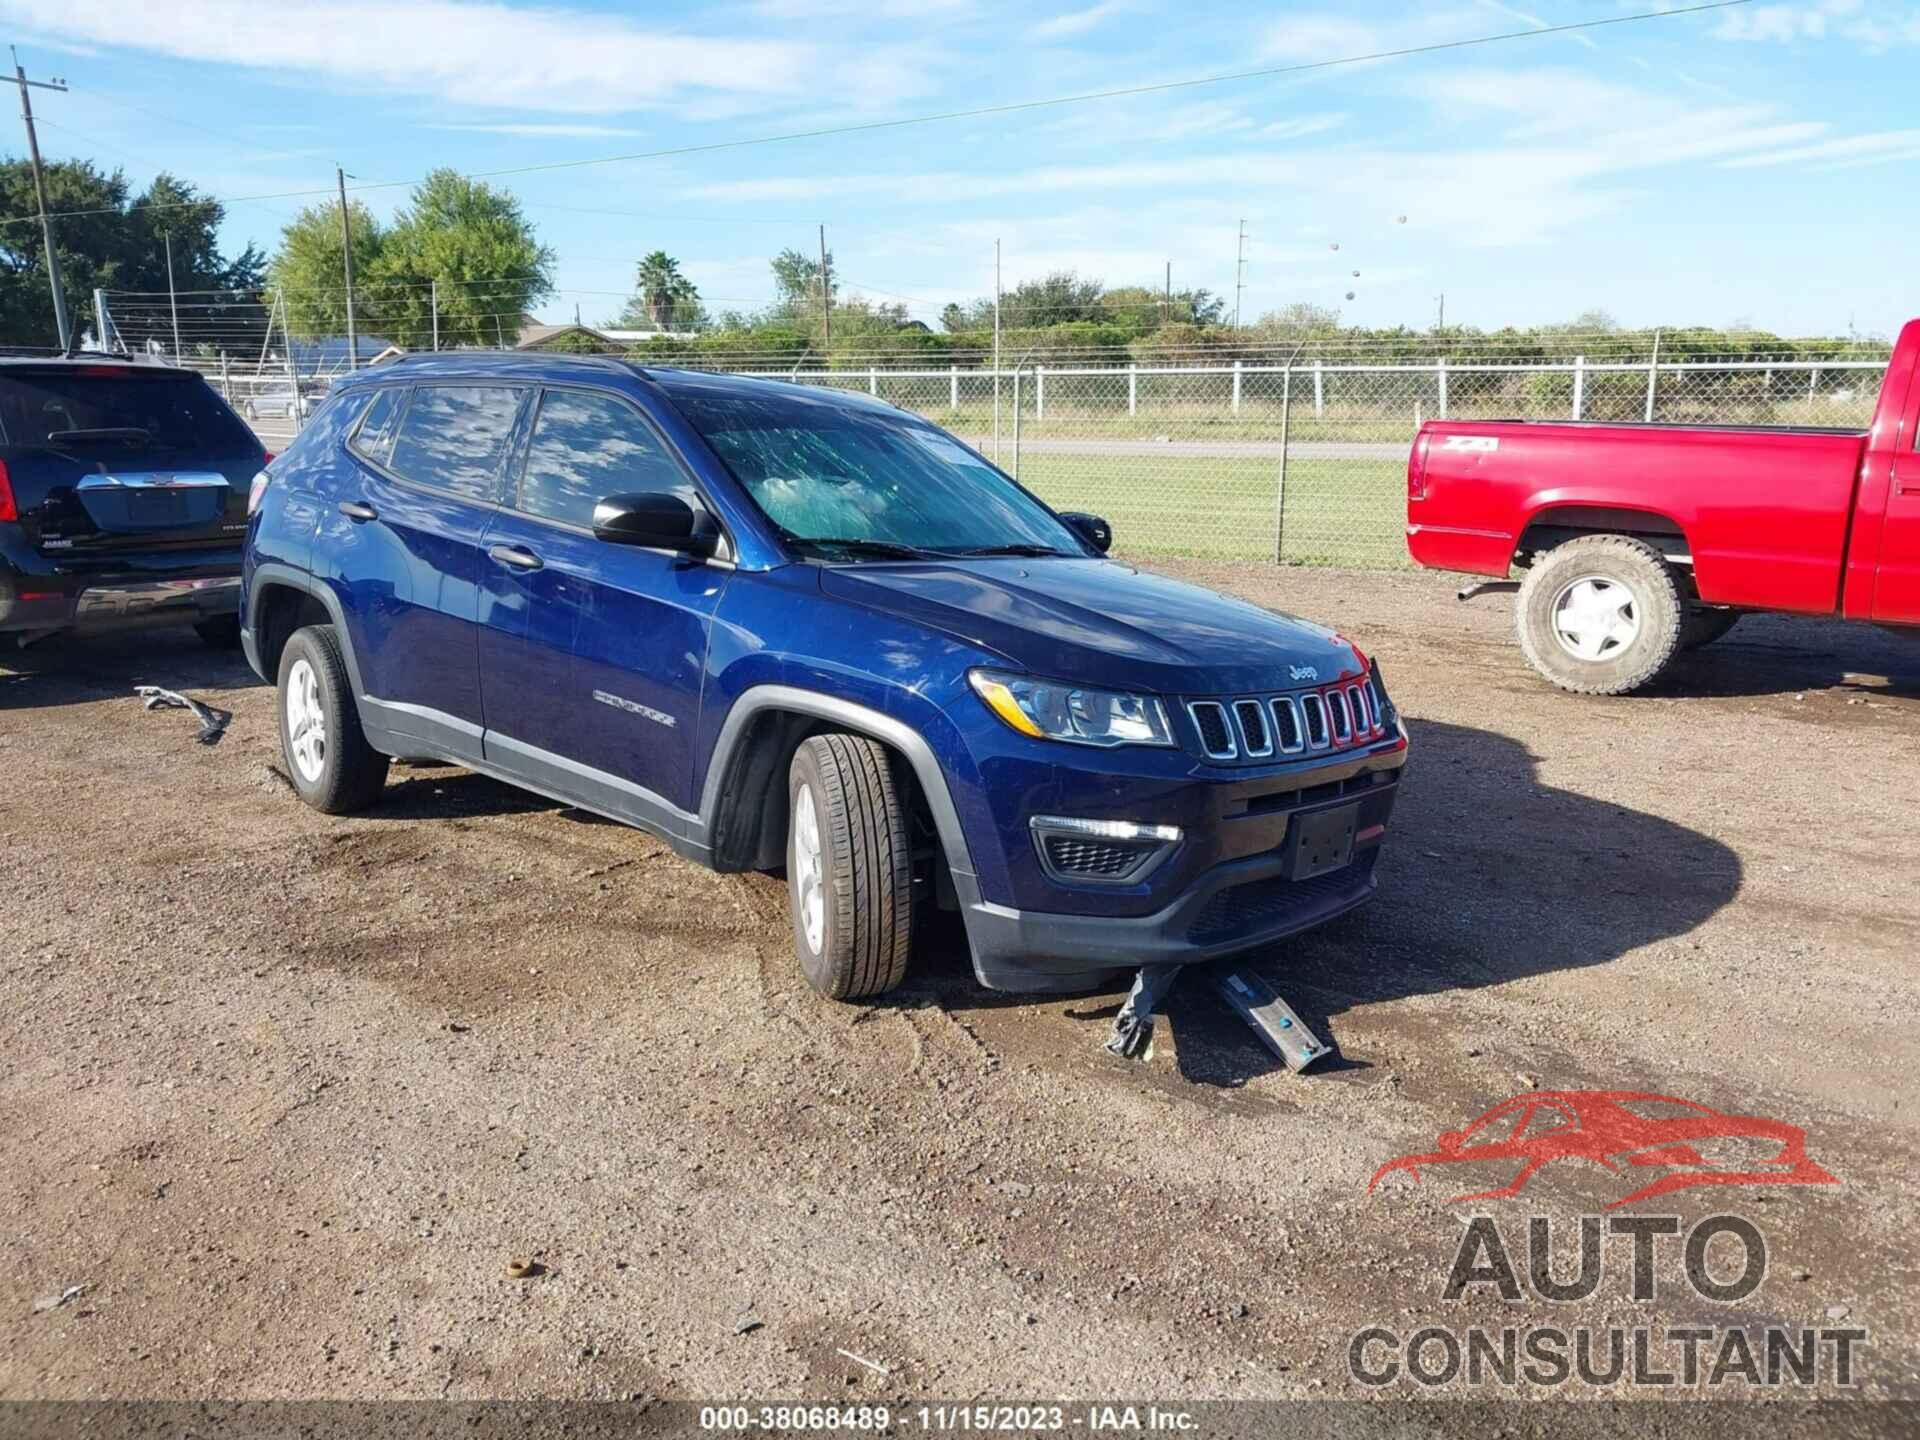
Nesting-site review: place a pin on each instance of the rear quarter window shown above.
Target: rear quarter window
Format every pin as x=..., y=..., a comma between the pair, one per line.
x=374, y=438
x=454, y=437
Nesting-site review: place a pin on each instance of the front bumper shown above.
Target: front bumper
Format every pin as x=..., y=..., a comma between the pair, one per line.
x=1228, y=909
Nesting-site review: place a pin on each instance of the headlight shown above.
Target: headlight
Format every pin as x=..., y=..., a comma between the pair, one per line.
x=1050, y=710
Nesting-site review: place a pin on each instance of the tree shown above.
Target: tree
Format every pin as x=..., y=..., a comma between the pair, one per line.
x=121, y=246
x=466, y=241
x=663, y=298
x=796, y=283
x=308, y=279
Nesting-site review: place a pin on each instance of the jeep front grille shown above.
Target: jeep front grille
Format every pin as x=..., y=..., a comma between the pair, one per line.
x=1257, y=727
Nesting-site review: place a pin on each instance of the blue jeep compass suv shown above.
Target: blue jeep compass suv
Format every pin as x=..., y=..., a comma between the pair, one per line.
x=785, y=626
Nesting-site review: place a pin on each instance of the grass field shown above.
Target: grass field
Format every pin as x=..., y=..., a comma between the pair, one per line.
x=1336, y=512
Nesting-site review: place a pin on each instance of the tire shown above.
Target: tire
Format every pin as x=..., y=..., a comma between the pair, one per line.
x=849, y=867
x=340, y=773
x=1578, y=631
x=221, y=634
x=1703, y=627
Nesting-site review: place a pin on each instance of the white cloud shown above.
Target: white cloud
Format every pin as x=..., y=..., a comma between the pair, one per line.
x=1321, y=37
x=540, y=130
x=1077, y=22
x=479, y=52
x=1841, y=152
x=1880, y=27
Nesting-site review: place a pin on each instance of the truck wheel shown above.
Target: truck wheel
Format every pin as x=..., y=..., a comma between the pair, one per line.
x=1600, y=615
x=1703, y=627
x=328, y=759
x=849, y=867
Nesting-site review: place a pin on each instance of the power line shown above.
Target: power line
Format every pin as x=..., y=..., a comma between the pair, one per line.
x=978, y=112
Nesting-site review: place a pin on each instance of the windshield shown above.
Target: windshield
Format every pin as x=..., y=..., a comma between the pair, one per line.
x=93, y=408
x=869, y=485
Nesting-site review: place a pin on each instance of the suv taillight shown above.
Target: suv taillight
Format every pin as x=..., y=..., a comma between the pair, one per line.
x=8, y=510
x=257, y=491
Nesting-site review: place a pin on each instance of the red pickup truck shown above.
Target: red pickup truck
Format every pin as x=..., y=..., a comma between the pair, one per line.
x=1636, y=542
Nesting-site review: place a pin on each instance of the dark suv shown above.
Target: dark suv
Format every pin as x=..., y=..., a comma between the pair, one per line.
x=123, y=498
x=779, y=625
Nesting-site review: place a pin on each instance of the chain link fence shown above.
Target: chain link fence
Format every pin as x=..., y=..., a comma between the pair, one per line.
x=1277, y=459
x=1306, y=464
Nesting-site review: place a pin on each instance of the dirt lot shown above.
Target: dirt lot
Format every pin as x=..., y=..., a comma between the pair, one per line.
x=286, y=1094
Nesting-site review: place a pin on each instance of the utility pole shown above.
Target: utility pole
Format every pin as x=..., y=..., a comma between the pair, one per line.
x=996, y=349
x=433, y=300
x=1166, y=306
x=173, y=301
x=1239, y=274
x=346, y=255
x=40, y=192
x=826, y=296
x=1441, y=322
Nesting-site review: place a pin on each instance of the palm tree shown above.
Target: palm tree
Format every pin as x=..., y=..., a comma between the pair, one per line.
x=660, y=289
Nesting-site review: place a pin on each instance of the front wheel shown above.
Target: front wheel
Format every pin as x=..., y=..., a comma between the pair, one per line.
x=849, y=866
x=1600, y=615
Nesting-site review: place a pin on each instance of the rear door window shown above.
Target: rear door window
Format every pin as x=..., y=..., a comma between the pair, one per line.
x=374, y=438
x=113, y=409
x=588, y=446
x=454, y=437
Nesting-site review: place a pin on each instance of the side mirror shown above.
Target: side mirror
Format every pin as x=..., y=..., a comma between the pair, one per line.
x=654, y=521
x=1090, y=528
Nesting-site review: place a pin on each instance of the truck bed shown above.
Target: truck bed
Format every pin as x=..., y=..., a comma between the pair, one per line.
x=1761, y=513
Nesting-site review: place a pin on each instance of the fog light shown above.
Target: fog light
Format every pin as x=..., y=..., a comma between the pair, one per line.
x=1100, y=852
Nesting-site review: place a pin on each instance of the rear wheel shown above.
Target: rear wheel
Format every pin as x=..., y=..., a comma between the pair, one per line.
x=328, y=759
x=1600, y=615
x=849, y=867
x=1703, y=626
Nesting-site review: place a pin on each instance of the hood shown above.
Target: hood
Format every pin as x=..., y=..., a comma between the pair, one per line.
x=1097, y=622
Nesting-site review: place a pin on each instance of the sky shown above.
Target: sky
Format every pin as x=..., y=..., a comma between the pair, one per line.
x=1750, y=166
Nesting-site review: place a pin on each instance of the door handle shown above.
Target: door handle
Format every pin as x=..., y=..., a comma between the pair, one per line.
x=354, y=510
x=514, y=556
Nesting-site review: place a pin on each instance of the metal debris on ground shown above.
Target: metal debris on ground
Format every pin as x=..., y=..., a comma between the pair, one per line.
x=1255, y=1001
x=213, y=721
x=1132, y=1037
x=54, y=1302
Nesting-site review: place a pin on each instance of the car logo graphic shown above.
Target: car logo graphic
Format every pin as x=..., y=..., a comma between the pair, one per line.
x=1302, y=672
x=1623, y=1131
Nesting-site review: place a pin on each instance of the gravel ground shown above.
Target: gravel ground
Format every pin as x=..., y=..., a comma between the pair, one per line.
x=284, y=1096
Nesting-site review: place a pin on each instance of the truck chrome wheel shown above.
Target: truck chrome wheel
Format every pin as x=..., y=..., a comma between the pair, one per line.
x=1595, y=618
x=809, y=884
x=306, y=722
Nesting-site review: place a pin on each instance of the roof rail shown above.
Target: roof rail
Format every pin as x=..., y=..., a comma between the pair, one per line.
x=605, y=362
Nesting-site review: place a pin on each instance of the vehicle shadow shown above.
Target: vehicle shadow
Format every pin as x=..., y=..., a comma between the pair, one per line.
x=1489, y=876
x=1785, y=654
x=77, y=670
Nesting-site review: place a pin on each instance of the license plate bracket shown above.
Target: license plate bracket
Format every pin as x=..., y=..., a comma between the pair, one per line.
x=1321, y=842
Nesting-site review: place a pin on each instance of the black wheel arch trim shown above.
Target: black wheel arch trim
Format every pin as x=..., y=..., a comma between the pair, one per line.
x=861, y=719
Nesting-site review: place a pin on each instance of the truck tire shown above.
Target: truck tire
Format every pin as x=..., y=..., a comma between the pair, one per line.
x=849, y=867
x=1600, y=615
x=1703, y=626
x=328, y=759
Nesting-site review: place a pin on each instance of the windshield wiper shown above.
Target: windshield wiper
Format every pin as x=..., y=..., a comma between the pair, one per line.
x=1021, y=548
x=877, y=549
